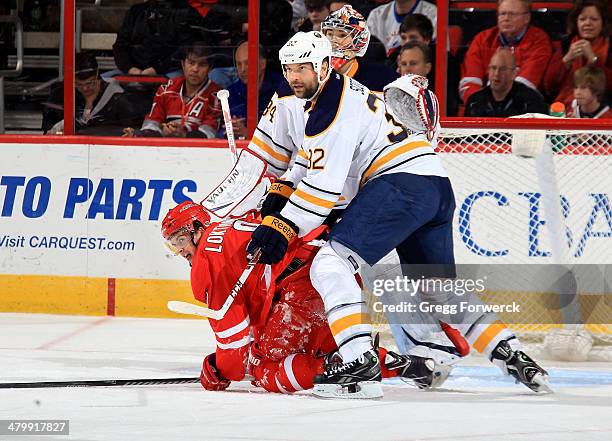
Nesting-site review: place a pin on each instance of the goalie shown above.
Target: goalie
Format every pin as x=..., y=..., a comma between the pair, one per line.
x=275, y=329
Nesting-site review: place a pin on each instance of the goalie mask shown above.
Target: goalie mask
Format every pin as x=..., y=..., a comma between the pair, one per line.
x=308, y=47
x=348, y=28
x=184, y=218
x=415, y=107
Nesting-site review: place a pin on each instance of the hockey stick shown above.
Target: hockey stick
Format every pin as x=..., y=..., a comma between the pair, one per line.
x=217, y=314
x=223, y=96
x=98, y=383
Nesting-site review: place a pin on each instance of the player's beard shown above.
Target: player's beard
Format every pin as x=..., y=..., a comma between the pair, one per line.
x=309, y=90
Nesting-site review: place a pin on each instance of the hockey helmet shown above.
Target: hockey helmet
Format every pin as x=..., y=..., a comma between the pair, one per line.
x=307, y=47
x=414, y=106
x=354, y=24
x=182, y=218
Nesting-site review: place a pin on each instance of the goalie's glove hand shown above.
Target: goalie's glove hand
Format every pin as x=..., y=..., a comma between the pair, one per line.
x=272, y=237
x=277, y=198
x=210, y=377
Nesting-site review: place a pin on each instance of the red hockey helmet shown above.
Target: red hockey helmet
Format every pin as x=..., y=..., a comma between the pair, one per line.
x=182, y=217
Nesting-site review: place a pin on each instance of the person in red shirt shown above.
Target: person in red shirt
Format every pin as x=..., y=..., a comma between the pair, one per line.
x=276, y=328
x=186, y=106
x=588, y=44
x=531, y=46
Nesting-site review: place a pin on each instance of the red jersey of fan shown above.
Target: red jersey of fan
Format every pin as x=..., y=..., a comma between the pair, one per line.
x=199, y=115
x=531, y=52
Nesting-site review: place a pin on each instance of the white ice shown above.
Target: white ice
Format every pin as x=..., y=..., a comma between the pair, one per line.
x=476, y=403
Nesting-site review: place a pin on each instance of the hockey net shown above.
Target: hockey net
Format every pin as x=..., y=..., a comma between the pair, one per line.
x=527, y=198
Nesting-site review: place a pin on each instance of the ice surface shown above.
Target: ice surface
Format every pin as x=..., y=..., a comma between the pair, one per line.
x=476, y=403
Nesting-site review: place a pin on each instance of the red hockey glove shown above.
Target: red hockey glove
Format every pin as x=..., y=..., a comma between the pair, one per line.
x=277, y=197
x=273, y=237
x=210, y=377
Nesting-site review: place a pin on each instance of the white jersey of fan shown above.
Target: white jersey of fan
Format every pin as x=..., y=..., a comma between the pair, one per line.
x=343, y=139
x=384, y=23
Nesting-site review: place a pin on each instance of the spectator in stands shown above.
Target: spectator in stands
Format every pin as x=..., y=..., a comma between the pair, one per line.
x=588, y=44
x=299, y=13
x=266, y=85
x=418, y=28
x=384, y=21
x=504, y=96
x=148, y=40
x=100, y=108
x=186, y=106
x=317, y=11
x=589, y=94
x=415, y=58
x=531, y=46
x=348, y=33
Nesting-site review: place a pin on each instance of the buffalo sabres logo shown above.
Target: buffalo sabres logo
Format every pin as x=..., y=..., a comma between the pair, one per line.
x=419, y=81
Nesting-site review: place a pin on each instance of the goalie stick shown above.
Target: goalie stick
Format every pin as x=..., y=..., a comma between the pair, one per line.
x=100, y=383
x=217, y=314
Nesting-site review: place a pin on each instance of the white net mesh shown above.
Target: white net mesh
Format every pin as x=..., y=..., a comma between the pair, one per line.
x=536, y=197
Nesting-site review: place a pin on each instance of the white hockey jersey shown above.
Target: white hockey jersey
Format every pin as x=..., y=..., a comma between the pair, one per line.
x=348, y=139
x=280, y=131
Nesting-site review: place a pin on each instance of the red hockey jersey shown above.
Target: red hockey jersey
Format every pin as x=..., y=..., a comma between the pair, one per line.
x=199, y=113
x=219, y=261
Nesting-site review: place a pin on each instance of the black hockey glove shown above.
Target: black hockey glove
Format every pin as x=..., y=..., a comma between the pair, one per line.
x=272, y=237
x=277, y=197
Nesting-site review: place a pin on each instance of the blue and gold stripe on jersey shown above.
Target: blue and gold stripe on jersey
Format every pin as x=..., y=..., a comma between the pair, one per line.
x=313, y=200
x=325, y=109
x=274, y=154
x=393, y=157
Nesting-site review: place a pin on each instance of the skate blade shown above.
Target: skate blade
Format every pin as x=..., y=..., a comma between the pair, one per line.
x=542, y=384
x=366, y=390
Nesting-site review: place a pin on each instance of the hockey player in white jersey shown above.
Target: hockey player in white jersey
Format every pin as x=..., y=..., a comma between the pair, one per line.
x=351, y=149
x=280, y=131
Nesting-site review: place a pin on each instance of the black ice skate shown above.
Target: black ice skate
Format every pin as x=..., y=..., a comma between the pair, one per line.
x=522, y=367
x=360, y=378
x=424, y=372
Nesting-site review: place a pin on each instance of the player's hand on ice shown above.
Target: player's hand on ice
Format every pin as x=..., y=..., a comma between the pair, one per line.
x=210, y=377
x=277, y=197
x=272, y=237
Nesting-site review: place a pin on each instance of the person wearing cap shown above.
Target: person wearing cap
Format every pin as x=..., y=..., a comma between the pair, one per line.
x=100, y=107
x=186, y=106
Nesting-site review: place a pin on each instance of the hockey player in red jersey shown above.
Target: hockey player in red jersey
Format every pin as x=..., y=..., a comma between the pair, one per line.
x=276, y=328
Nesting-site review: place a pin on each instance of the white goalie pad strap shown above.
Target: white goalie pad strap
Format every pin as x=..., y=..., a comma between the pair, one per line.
x=242, y=188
